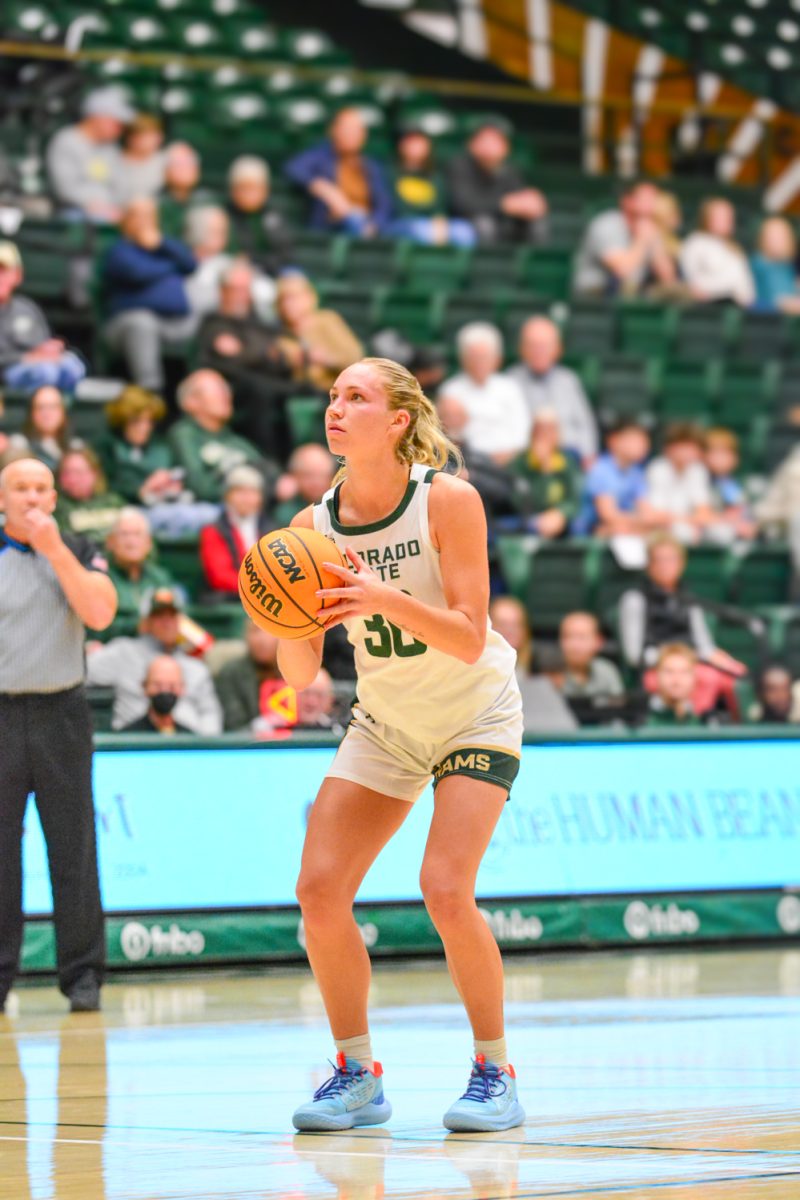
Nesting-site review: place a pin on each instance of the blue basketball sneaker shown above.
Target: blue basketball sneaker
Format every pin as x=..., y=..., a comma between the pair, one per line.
x=490, y=1102
x=352, y=1096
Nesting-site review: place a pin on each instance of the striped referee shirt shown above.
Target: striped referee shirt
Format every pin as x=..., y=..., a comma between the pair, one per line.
x=41, y=637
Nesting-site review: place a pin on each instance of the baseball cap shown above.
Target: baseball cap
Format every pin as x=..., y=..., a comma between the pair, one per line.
x=10, y=256
x=108, y=102
x=162, y=599
x=244, y=476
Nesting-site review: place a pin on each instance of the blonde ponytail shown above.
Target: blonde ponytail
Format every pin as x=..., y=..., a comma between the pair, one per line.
x=424, y=441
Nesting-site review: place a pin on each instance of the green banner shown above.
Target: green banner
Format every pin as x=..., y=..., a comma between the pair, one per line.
x=277, y=935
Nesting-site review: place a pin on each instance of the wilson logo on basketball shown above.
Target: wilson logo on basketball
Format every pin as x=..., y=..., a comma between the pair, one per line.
x=259, y=591
x=286, y=560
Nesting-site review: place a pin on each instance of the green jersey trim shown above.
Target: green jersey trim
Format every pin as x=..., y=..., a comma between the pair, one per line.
x=355, y=530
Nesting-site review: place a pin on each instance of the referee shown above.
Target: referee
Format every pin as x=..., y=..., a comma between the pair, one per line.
x=50, y=587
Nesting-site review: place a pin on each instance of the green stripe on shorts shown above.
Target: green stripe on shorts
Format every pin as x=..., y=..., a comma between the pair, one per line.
x=478, y=762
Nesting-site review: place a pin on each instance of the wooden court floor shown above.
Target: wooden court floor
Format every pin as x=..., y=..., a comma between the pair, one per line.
x=644, y=1075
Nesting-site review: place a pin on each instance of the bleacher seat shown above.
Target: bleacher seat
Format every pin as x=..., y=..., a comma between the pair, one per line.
x=305, y=416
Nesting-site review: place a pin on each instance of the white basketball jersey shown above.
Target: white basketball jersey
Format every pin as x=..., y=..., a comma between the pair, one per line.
x=402, y=682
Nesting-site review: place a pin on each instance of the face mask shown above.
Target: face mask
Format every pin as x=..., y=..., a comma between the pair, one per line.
x=164, y=702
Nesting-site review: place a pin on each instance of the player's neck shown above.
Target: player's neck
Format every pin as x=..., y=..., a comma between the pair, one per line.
x=374, y=489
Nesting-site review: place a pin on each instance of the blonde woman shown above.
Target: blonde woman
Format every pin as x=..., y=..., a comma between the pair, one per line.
x=318, y=342
x=712, y=262
x=437, y=696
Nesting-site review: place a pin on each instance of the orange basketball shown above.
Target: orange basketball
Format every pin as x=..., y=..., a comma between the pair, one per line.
x=280, y=576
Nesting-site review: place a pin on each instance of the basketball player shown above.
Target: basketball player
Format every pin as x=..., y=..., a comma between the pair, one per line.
x=437, y=696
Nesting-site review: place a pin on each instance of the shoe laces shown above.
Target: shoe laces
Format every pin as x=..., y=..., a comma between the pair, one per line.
x=484, y=1081
x=339, y=1082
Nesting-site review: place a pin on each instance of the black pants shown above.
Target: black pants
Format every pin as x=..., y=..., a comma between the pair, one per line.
x=46, y=748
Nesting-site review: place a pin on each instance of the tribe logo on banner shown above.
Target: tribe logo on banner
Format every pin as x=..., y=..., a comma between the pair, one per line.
x=643, y=921
x=139, y=941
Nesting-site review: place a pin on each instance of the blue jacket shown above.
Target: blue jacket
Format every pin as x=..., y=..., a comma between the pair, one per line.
x=319, y=162
x=137, y=278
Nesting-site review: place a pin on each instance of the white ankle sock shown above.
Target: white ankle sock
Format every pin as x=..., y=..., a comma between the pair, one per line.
x=359, y=1048
x=494, y=1052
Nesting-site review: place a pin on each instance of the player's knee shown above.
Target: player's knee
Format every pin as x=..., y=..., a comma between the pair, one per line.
x=445, y=899
x=319, y=893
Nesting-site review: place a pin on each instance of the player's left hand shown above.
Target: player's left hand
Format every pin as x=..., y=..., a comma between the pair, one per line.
x=360, y=595
x=43, y=533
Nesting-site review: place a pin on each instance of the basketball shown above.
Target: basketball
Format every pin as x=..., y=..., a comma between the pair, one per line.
x=280, y=576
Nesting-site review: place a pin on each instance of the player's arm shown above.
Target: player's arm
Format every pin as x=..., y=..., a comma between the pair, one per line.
x=458, y=530
x=299, y=662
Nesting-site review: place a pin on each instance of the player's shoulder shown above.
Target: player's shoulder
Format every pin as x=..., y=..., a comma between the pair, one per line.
x=303, y=519
x=448, y=490
x=453, y=503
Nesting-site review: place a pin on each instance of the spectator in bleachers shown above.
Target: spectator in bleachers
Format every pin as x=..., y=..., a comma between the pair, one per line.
x=615, y=488
x=778, y=511
x=85, y=504
x=548, y=481
x=543, y=708
x=242, y=522
x=46, y=433
x=774, y=267
x=673, y=704
x=498, y=422
x=123, y=662
x=678, y=484
x=318, y=342
x=622, y=251
x=721, y=457
x=586, y=675
x=29, y=354
x=133, y=454
x=668, y=217
x=316, y=705
x=144, y=280
x=256, y=229
x=208, y=235
x=131, y=567
x=232, y=337
x=545, y=383
x=713, y=263
x=777, y=700
x=492, y=481
x=181, y=188
x=489, y=191
x=661, y=610
x=140, y=170
x=82, y=159
x=419, y=195
x=247, y=684
x=349, y=189
x=163, y=686
x=202, y=442
x=251, y=355
x=309, y=475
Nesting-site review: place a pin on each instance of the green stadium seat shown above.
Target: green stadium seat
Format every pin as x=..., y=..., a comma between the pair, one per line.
x=515, y=554
x=590, y=327
x=646, y=329
x=687, y=390
x=625, y=388
x=305, y=416
x=462, y=308
x=761, y=576
x=180, y=557
x=705, y=330
x=761, y=335
x=493, y=266
x=559, y=582
x=611, y=580
x=785, y=636
x=355, y=304
x=233, y=109
x=442, y=268
x=746, y=389
x=375, y=261
x=417, y=315
x=547, y=270
x=708, y=572
x=101, y=706
x=746, y=644
x=307, y=113
x=313, y=46
x=250, y=37
x=513, y=309
x=318, y=254
x=220, y=620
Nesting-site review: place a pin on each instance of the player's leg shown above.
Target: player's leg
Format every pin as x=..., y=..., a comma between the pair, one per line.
x=466, y=811
x=348, y=826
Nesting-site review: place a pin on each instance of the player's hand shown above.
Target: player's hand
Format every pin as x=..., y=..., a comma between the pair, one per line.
x=43, y=533
x=360, y=595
